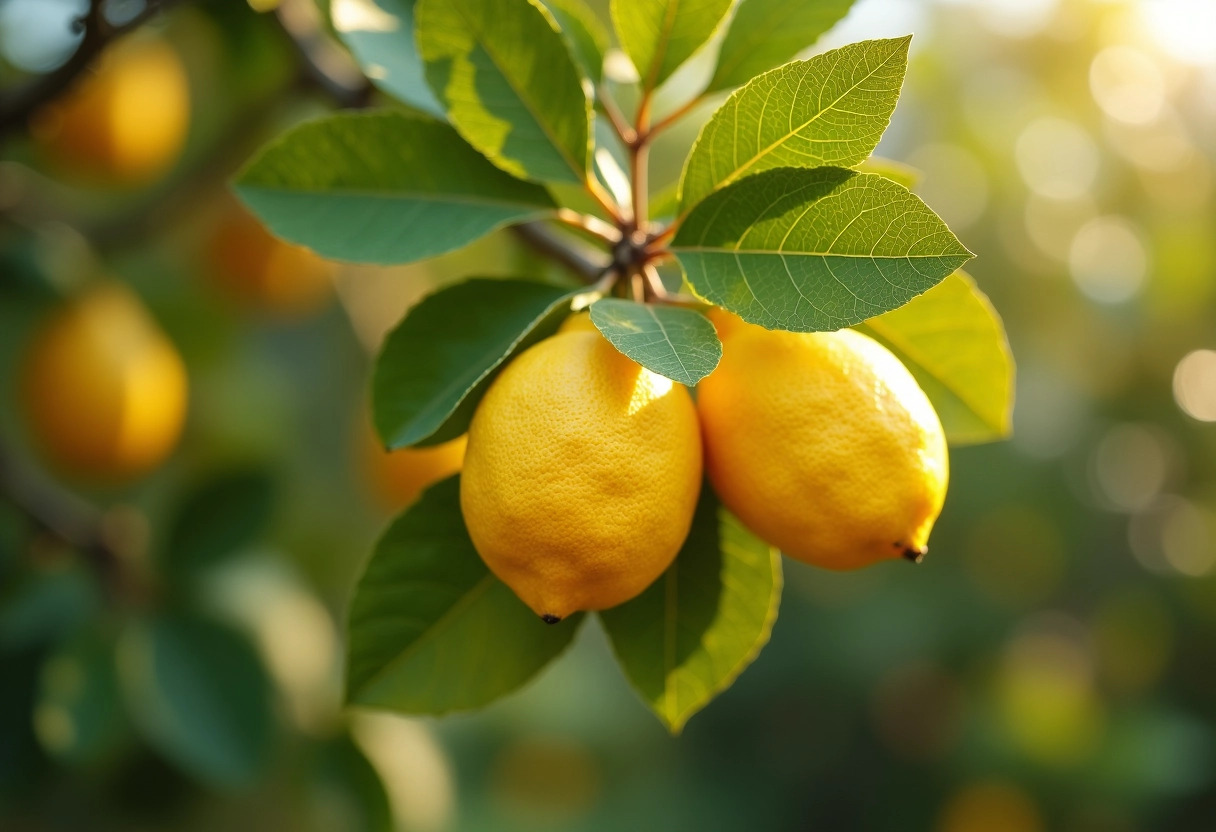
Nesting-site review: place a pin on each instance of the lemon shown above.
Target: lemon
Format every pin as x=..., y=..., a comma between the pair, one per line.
x=125, y=123
x=255, y=268
x=399, y=477
x=581, y=476
x=104, y=390
x=823, y=444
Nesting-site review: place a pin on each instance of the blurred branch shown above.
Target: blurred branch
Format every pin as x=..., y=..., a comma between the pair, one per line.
x=328, y=67
x=61, y=515
x=545, y=240
x=18, y=107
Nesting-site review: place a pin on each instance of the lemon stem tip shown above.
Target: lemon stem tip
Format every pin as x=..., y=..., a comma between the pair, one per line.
x=916, y=554
x=549, y=618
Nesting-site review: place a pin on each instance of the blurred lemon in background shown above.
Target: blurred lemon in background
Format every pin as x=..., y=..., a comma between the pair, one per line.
x=399, y=477
x=103, y=389
x=823, y=444
x=126, y=123
x=990, y=806
x=253, y=267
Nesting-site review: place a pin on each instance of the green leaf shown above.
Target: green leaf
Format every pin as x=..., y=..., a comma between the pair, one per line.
x=814, y=250
x=672, y=341
x=585, y=34
x=765, y=33
x=830, y=110
x=340, y=770
x=897, y=172
x=954, y=343
x=466, y=333
x=510, y=85
x=78, y=716
x=47, y=605
x=197, y=692
x=380, y=34
x=219, y=518
x=660, y=35
x=689, y=636
x=431, y=629
x=382, y=187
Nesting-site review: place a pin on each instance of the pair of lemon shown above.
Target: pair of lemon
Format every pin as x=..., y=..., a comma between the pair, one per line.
x=583, y=468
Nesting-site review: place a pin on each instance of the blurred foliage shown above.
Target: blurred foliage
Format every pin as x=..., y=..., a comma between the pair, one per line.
x=1048, y=667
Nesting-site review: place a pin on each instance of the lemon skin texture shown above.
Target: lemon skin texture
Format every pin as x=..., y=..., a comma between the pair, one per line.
x=822, y=444
x=259, y=271
x=104, y=391
x=126, y=123
x=581, y=476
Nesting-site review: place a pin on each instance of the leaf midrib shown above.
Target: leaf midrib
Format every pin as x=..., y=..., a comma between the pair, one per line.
x=738, y=172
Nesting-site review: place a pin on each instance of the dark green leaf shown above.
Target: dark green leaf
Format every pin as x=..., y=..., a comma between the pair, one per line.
x=689, y=636
x=340, y=771
x=79, y=716
x=197, y=692
x=660, y=35
x=953, y=342
x=766, y=33
x=221, y=516
x=672, y=341
x=586, y=35
x=814, y=250
x=382, y=187
x=509, y=83
x=437, y=364
x=830, y=110
x=380, y=34
x=431, y=629
x=47, y=605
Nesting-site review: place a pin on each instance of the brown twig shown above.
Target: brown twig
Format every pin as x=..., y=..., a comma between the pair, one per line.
x=548, y=242
x=17, y=108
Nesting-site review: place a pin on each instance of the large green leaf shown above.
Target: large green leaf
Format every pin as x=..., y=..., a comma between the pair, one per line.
x=830, y=110
x=198, y=693
x=431, y=629
x=585, y=34
x=218, y=518
x=383, y=187
x=510, y=84
x=689, y=636
x=898, y=172
x=672, y=341
x=814, y=250
x=765, y=33
x=435, y=366
x=954, y=343
x=660, y=35
x=380, y=34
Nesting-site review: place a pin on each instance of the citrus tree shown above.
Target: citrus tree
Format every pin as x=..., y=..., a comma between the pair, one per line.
x=792, y=280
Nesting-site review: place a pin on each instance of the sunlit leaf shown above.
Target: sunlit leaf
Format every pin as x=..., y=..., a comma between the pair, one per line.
x=509, y=83
x=689, y=636
x=198, y=693
x=435, y=366
x=660, y=35
x=905, y=175
x=672, y=341
x=380, y=34
x=586, y=35
x=830, y=110
x=814, y=250
x=954, y=343
x=766, y=33
x=431, y=629
x=382, y=187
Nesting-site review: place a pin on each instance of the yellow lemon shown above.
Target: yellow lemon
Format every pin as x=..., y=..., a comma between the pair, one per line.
x=582, y=474
x=104, y=390
x=253, y=267
x=578, y=322
x=125, y=123
x=399, y=477
x=823, y=444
